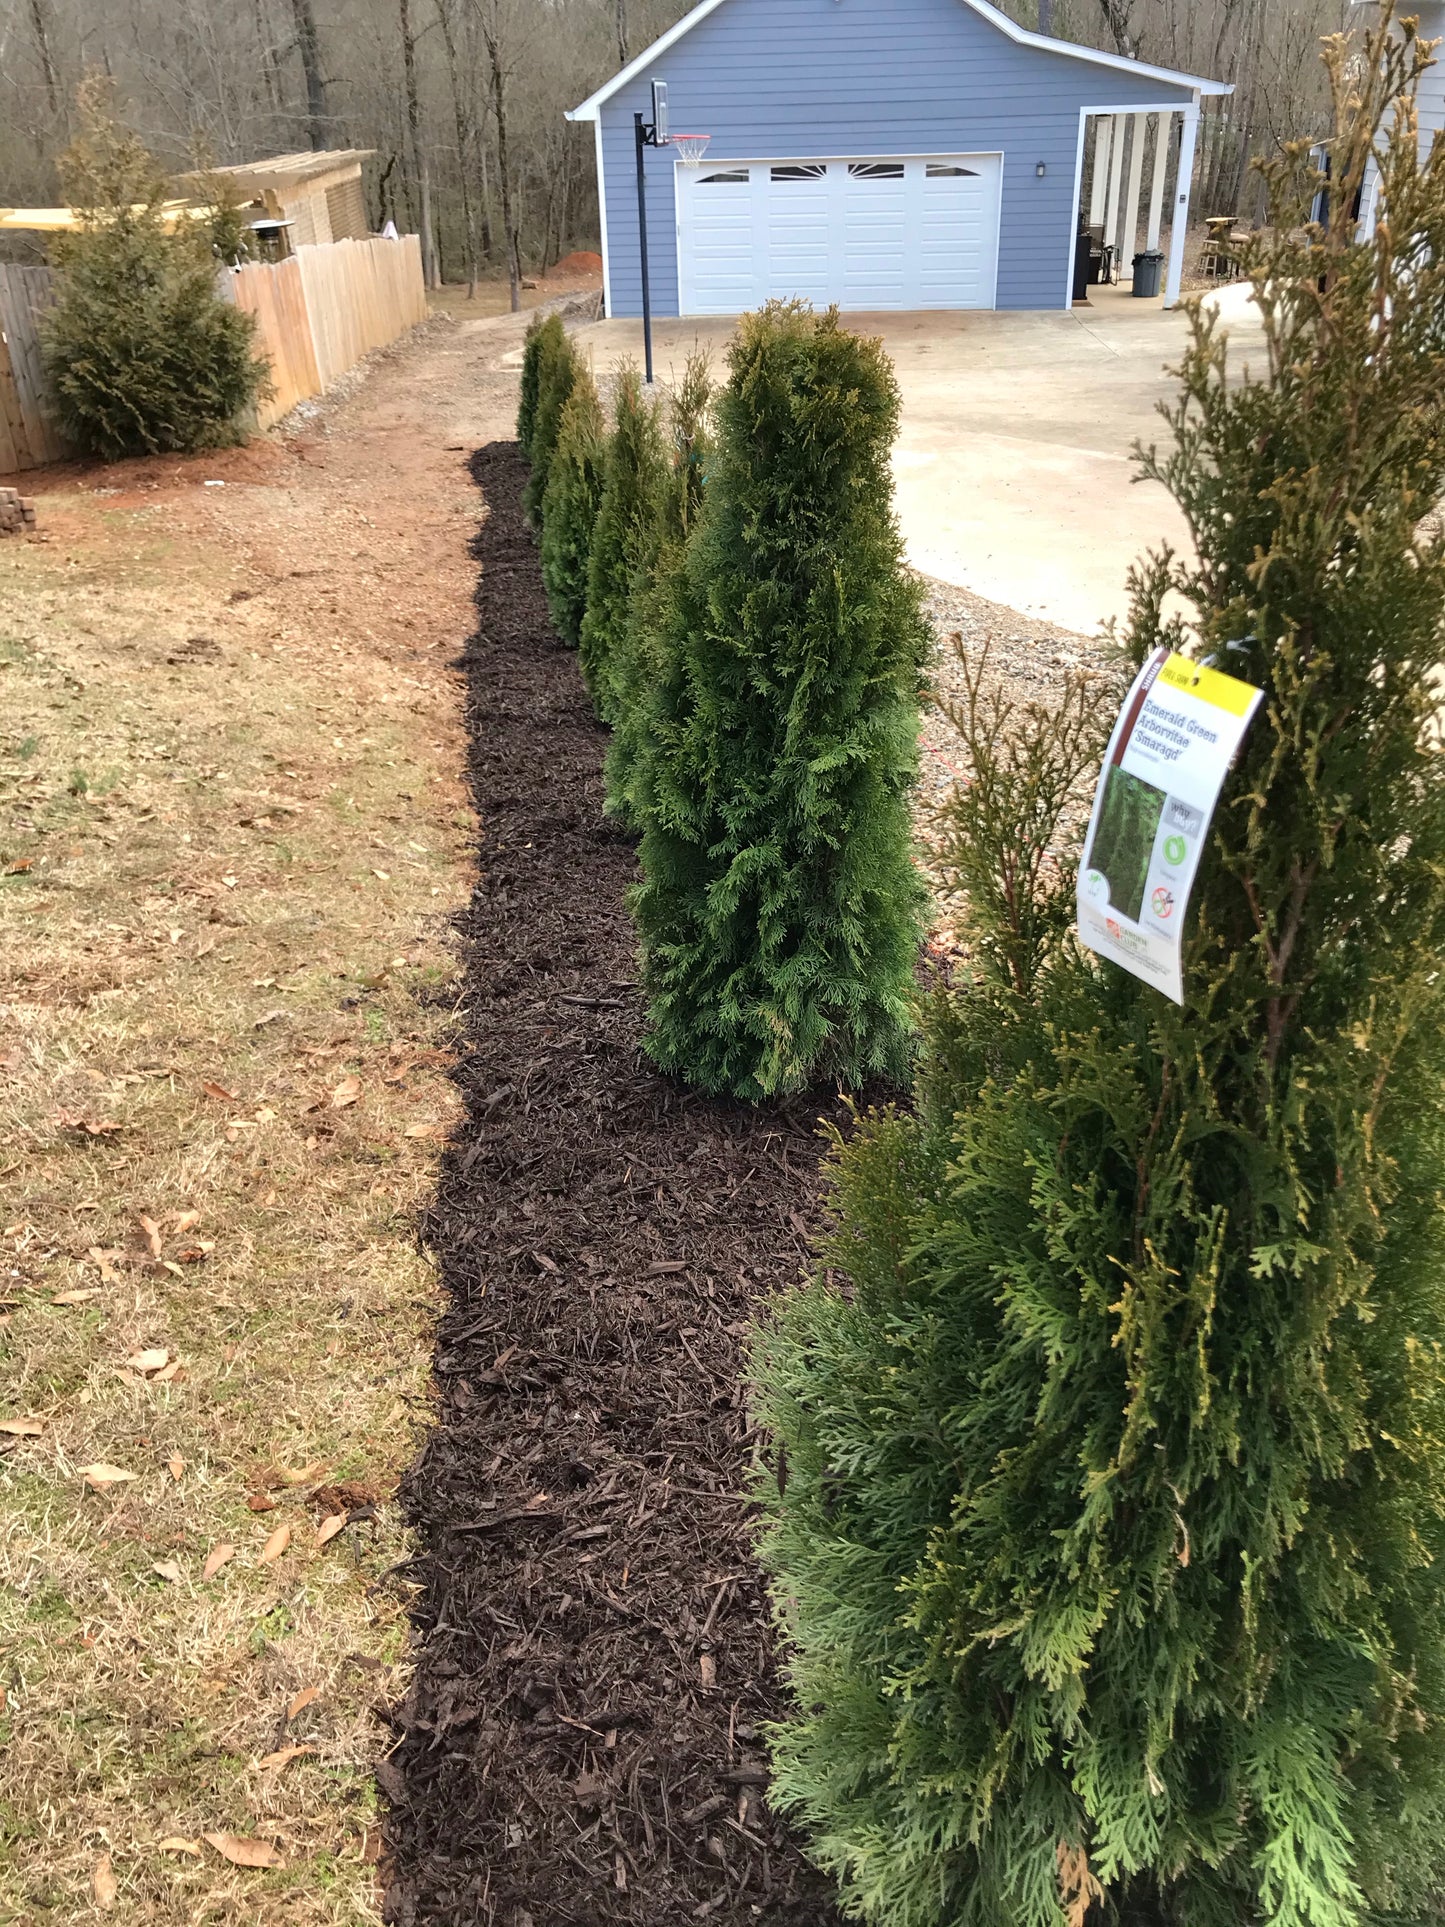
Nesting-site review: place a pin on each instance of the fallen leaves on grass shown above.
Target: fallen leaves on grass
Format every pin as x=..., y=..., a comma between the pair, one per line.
x=275, y=1545
x=168, y=1569
x=23, y=1428
x=302, y=1700
x=283, y=1756
x=329, y=1528
x=101, y=1476
x=153, y=1359
x=215, y=1559
x=177, y=1843
x=152, y=1231
x=242, y=1852
x=219, y=1091
x=106, y=1261
x=346, y=1092
x=175, y=1465
x=88, y=1126
x=78, y=1296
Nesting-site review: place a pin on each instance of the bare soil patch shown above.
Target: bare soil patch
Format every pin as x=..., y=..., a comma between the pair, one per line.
x=582, y=1741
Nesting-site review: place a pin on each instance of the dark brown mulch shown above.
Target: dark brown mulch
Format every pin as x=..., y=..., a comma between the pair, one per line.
x=594, y=1659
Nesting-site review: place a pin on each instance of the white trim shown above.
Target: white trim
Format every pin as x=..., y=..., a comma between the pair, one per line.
x=1130, y=233
x=1183, y=188
x=602, y=217
x=1163, y=136
x=1076, y=218
x=1041, y=43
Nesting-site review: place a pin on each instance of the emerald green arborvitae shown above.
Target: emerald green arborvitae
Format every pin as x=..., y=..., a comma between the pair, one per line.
x=531, y=369
x=624, y=537
x=779, y=906
x=570, y=506
x=635, y=673
x=557, y=370
x=142, y=354
x=1107, y=1535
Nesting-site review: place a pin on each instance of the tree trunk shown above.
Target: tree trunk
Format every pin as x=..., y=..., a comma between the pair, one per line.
x=466, y=142
x=413, y=126
x=622, y=33
x=40, y=18
x=491, y=33
x=308, y=45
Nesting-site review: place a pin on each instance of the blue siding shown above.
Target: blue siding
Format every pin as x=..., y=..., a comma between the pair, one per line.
x=796, y=79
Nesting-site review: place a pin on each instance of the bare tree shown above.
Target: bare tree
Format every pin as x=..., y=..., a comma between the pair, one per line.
x=308, y=45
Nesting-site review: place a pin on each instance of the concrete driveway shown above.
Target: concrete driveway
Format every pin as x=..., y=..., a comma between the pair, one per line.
x=1013, y=466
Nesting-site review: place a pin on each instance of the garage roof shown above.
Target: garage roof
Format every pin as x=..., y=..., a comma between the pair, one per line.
x=1043, y=42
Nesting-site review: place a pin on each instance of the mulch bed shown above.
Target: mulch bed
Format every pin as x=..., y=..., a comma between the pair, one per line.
x=594, y=1658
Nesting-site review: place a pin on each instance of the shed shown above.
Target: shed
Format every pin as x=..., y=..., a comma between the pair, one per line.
x=882, y=154
x=314, y=197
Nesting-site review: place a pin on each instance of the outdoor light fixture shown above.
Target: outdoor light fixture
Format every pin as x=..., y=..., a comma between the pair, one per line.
x=1041, y=170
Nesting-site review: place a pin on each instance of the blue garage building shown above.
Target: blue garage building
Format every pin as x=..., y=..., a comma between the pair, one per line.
x=885, y=154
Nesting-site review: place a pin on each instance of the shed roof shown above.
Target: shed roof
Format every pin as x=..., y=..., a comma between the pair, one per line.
x=291, y=170
x=1044, y=43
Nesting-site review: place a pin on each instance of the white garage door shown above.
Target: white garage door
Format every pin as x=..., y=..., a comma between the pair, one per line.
x=866, y=234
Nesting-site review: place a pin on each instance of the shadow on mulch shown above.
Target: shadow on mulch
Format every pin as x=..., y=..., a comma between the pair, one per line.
x=594, y=1658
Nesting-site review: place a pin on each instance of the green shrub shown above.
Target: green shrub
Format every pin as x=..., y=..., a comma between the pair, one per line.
x=142, y=354
x=624, y=538
x=570, y=506
x=557, y=370
x=1110, y=1547
x=779, y=907
x=531, y=367
x=633, y=665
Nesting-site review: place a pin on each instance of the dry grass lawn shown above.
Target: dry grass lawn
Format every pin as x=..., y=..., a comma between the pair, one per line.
x=231, y=835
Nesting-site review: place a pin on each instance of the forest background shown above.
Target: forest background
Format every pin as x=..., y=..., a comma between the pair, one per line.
x=463, y=100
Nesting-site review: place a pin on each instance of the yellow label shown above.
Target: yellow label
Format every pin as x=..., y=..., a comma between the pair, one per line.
x=1208, y=685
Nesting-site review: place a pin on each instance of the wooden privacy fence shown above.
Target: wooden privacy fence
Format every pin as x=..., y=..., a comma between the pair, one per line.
x=28, y=435
x=320, y=311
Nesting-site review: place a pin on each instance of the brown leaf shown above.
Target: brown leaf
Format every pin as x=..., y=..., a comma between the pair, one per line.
x=193, y=1254
x=1078, y=1889
x=76, y=1297
x=329, y=1528
x=661, y=1265
x=167, y=1372
x=176, y=1843
x=707, y=1669
x=168, y=1569
x=436, y=1131
x=91, y=1126
x=152, y=1231
x=23, y=1428
x=182, y=1221
x=258, y=1502
x=244, y=1853
x=275, y=1545
x=346, y=1092
x=106, y=1261
x=175, y=1465
x=100, y=1475
x=283, y=1756
x=19, y=868
x=213, y=1089
x=150, y=1360
x=302, y=1700
x=103, y=1883
x=216, y=1558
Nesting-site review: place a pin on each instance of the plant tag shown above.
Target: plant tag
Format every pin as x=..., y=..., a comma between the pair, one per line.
x=1168, y=756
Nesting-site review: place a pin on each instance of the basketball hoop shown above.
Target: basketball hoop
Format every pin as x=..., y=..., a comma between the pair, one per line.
x=690, y=147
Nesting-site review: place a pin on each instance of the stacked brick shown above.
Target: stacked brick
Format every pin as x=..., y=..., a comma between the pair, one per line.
x=17, y=512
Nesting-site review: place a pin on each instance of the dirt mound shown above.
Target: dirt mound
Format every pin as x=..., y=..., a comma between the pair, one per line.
x=594, y=1657
x=571, y=265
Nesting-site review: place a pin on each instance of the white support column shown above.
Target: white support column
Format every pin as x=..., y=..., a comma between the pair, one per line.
x=1162, y=138
x=1129, y=232
x=1103, y=135
x=1116, y=170
x=1183, y=182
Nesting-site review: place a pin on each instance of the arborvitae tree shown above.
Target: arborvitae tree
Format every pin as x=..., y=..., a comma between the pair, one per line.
x=558, y=367
x=531, y=367
x=142, y=354
x=631, y=501
x=1110, y=1546
x=634, y=670
x=570, y=506
x=779, y=906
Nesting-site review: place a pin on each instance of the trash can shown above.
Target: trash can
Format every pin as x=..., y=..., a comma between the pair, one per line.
x=1083, y=244
x=1148, y=273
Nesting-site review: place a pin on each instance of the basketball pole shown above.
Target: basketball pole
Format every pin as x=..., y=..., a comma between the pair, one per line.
x=642, y=132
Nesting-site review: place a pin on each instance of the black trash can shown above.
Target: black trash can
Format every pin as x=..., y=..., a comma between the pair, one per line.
x=1148, y=273
x=1083, y=242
